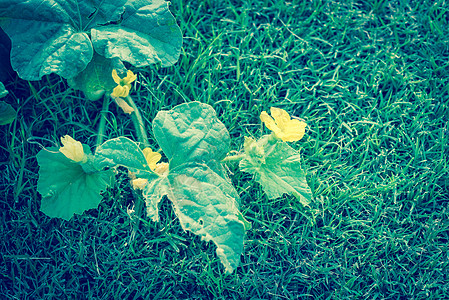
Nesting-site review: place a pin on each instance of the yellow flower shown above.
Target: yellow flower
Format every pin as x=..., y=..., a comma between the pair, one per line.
x=161, y=168
x=139, y=183
x=283, y=126
x=72, y=149
x=151, y=157
x=124, y=85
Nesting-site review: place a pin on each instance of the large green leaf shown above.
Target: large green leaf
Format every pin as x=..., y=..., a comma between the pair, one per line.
x=203, y=197
x=66, y=188
x=276, y=166
x=191, y=132
x=65, y=32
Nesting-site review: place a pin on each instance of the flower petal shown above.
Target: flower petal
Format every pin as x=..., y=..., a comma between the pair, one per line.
x=115, y=77
x=120, y=91
x=72, y=149
x=139, y=183
x=161, y=168
x=281, y=117
x=151, y=157
x=269, y=122
x=294, y=131
x=130, y=77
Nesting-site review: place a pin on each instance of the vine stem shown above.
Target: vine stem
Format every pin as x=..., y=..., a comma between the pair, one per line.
x=138, y=123
x=102, y=124
x=143, y=139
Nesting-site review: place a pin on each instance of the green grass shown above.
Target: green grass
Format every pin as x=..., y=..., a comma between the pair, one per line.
x=371, y=79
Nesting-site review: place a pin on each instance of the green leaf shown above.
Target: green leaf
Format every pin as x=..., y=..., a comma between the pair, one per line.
x=123, y=152
x=96, y=78
x=3, y=91
x=147, y=35
x=204, y=199
x=276, y=166
x=65, y=187
x=7, y=112
x=206, y=204
x=60, y=42
x=5, y=49
x=191, y=132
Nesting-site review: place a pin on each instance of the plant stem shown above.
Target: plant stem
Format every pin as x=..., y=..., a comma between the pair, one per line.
x=102, y=124
x=143, y=139
x=138, y=123
x=237, y=157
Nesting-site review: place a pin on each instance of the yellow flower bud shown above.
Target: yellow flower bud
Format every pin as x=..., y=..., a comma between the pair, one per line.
x=72, y=149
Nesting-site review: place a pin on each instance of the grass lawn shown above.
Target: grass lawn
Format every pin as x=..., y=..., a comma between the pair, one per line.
x=370, y=78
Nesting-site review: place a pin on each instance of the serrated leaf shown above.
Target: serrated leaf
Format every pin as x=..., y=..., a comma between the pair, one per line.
x=191, y=132
x=276, y=166
x=136, y=31
x=124, y=152
x=96, y=78
x=204, y=199
x=207, y=205
x=65, y=187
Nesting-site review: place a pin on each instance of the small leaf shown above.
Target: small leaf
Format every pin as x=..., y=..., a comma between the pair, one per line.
x=65, y=187
x=96, y=78
x=191, y=132
x=3, y=91
x=7, y=113
x=276, y=166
